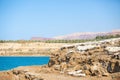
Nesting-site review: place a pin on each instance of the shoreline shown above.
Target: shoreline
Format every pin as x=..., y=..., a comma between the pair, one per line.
x=99, y=60
x=25, y=56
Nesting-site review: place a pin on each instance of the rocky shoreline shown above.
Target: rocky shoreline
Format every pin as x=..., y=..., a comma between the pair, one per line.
x=98, y=60
x=92, y=58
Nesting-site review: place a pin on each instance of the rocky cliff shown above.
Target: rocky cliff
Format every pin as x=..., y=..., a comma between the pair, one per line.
x=100, y=58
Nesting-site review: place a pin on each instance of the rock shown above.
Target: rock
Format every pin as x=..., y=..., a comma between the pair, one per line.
x=16, y=72
x=116, y=56
x=38, y=79
x=98, y=70
x=113, y=67
x=105, y=74
x=32, y=76
x=63, y=66
x=116, y=67
x=109, y=67
x=51, y=62
x=87, y=72
x=112, y=50
x=76, y=67
x=7, y=76
x=67, y=47
x=83, y=48
x=70, y=53
x=27, y=76
x=77, y=73
x=57, y=67
x=72, y=72
x=90, y=57
x=62, y=48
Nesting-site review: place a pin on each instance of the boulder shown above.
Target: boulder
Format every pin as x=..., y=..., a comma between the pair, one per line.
x=63, y=66
x=57, y=67
x=116, y=67
x=77, y=73
x=112, y=50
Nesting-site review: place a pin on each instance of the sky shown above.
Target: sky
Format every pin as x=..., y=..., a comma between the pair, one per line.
x=23, y=19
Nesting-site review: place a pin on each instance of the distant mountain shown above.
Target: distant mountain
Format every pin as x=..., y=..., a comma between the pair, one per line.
x=79, y=35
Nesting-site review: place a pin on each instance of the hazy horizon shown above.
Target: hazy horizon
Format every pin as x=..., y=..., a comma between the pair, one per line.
x=23, y=19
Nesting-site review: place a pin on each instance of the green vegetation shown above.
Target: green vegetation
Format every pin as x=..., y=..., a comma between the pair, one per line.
x=84, y=40
x=107, y=37
x=66, y=41
x=63, y=41
x=2, y=41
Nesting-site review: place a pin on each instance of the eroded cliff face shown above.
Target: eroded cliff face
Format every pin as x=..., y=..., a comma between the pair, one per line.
x=92, y=58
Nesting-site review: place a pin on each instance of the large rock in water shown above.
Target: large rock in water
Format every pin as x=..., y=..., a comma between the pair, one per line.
x=92, y=58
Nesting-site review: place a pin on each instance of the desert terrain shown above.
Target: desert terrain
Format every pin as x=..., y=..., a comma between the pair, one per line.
x=96, y=60
x=29, y=49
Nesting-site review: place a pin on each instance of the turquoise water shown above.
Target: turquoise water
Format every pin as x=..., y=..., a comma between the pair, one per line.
x=7, y=62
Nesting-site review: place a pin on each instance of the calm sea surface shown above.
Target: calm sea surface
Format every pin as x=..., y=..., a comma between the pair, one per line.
x=8, y=62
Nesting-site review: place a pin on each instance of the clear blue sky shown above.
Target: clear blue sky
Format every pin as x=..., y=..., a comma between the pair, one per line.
x=23, y=19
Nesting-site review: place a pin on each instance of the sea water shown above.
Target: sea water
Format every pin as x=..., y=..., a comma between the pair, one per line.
x=10, y=62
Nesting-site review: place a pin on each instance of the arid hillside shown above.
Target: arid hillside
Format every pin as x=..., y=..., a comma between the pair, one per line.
x=79, y=35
